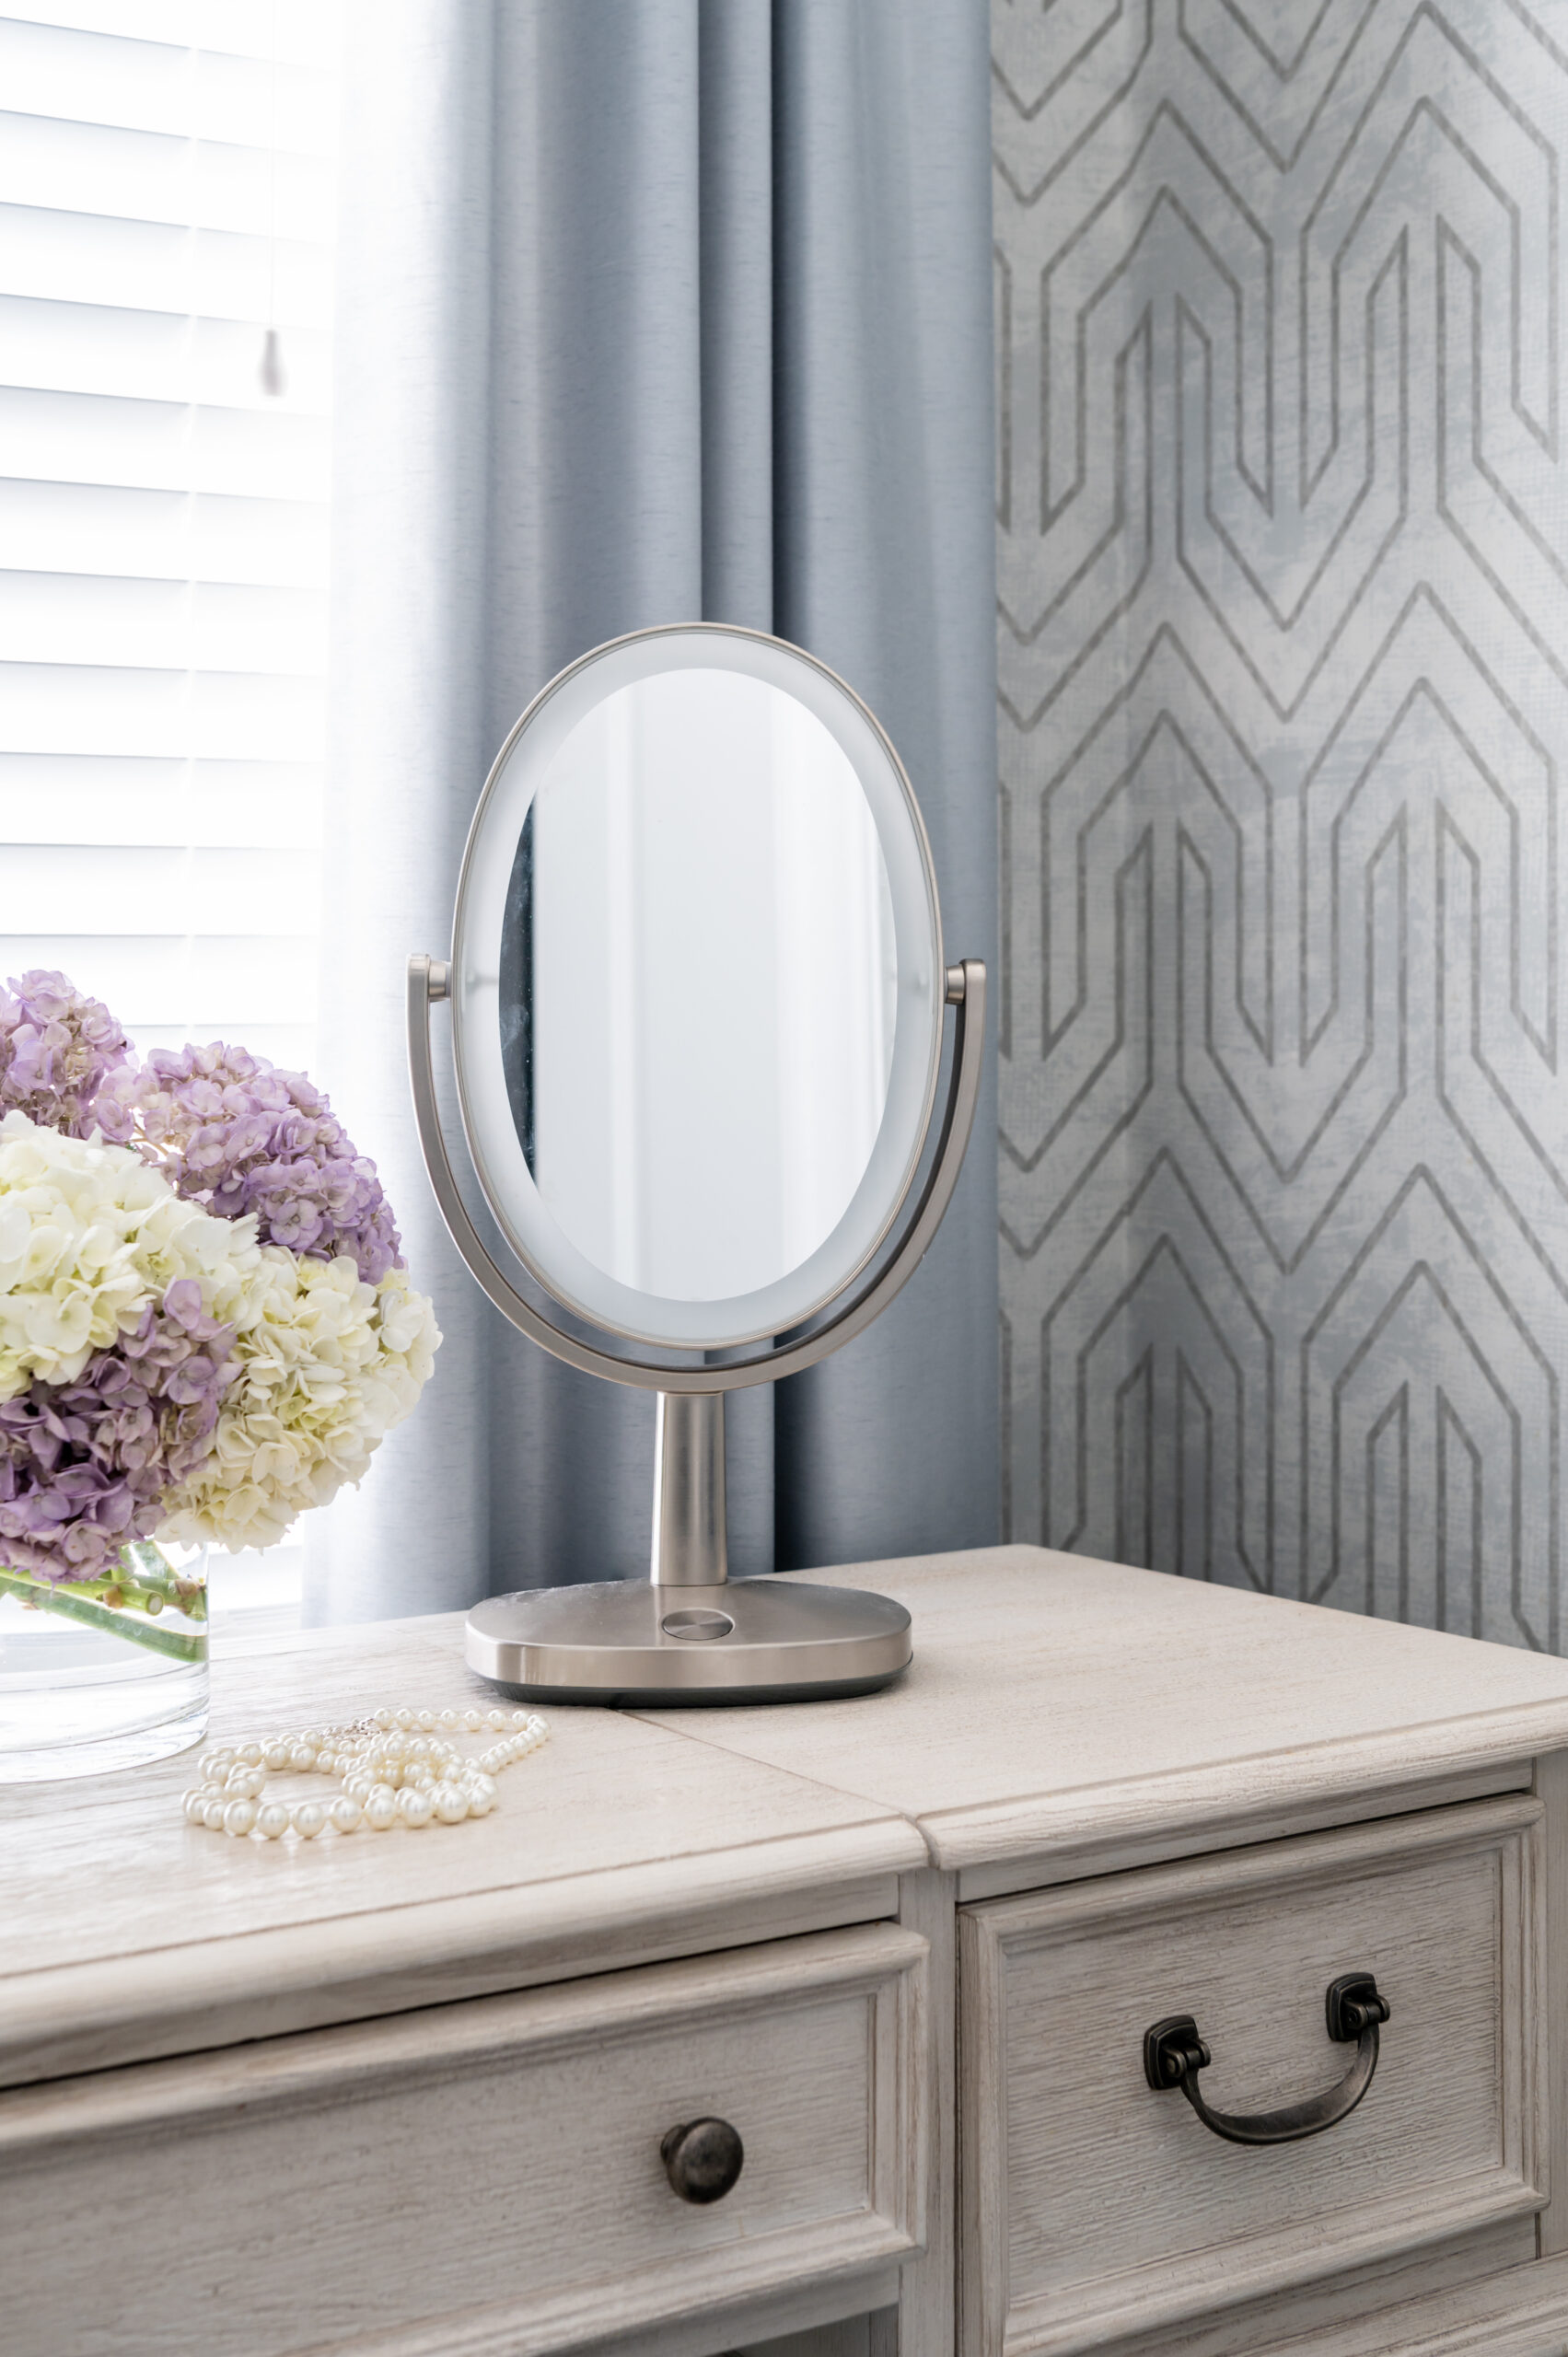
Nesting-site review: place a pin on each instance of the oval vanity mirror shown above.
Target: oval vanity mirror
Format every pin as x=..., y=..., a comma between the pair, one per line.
x=697, y=991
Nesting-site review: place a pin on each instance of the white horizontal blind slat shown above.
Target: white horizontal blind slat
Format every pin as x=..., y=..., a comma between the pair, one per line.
x=150, y=176
x=173, y=536
x=179, y=88
x=291, y=28
x=167, y=193
x=86, y=618
x=128, y=266
x=57, y=346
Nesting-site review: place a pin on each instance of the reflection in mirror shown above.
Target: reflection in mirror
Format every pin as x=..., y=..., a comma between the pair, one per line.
x=698, y=985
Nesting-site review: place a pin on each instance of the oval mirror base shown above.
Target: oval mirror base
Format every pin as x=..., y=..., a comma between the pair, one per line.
x=636, y=1642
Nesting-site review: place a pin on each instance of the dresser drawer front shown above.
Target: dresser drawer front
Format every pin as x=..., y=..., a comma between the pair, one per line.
x=484, y=2178
x=1093, y=2207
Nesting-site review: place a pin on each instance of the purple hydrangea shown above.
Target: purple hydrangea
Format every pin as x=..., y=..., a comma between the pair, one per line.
x=59, y=1052
x=85, y=1466
x=231, y=1132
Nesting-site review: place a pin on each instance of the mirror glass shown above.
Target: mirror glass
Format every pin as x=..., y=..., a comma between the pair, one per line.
x=696, y=986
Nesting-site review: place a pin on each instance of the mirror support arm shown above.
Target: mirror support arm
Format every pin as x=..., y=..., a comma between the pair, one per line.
x=429, y=980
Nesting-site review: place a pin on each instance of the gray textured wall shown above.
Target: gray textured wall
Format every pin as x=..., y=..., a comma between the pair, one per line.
x=1283, y=649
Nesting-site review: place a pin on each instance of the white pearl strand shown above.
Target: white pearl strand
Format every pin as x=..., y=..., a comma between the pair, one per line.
x=397, y=1768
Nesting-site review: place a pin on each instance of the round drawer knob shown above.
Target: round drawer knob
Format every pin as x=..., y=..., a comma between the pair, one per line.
x=702, y=2159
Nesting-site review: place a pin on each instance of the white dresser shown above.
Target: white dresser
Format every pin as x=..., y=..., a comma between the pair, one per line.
x=406, y=2095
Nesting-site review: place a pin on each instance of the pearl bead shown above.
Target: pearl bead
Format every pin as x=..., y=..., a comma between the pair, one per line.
x=310, y=1816
x=446, y=1718
x=251, y=1754
x=302, y=1757
x=481, y=1798
x=426, y=1719
x=277, y=1755
x=194, y=1805
x=239, y=1816
x=404, y=1718
x=326, y=1763
x=272, y=1820
x=384, y=1718
x=474, y=1720
x=211, y=1814
x=495, y=1718
x=451, y=1805
x=414, y=1807
x=381, y=1809
x=346, y=1813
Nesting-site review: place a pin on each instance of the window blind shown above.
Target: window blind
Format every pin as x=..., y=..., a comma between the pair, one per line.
x=167, y=196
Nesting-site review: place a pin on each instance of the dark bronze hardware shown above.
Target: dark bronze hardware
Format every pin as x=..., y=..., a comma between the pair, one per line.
x=1174, y=2054
x=702, y=2159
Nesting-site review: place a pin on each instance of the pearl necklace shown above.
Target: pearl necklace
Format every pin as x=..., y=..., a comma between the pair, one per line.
x=396, y=1767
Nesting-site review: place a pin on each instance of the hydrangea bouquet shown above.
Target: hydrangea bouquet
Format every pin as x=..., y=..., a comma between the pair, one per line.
x=205, y=1322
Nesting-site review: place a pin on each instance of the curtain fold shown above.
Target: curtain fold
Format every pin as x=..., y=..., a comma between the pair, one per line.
x=654, y=310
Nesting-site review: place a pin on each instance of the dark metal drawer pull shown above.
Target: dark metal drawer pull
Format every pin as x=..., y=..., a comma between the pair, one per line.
x=1174, y=2054
x=702, y=2159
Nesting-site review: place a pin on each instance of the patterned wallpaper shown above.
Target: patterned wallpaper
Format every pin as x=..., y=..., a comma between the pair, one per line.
x=1284, y=651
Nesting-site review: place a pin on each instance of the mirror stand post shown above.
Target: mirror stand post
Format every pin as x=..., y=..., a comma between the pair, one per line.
x=690, y=1547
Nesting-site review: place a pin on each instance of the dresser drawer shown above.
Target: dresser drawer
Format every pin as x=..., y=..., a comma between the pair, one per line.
x=1093, y=2207
x=483, y=2177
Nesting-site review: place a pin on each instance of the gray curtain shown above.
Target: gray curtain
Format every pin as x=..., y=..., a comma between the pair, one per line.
x=652, y=310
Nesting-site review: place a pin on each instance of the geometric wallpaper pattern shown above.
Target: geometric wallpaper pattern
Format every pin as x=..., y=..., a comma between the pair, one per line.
x=1282, y=509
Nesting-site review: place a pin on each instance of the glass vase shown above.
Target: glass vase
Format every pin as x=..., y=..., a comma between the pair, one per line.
x=103, y=1673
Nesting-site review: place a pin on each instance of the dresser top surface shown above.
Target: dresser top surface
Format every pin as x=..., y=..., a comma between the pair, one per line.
x=1055, y=1701
x=1043, y=1683
x=104, y=1888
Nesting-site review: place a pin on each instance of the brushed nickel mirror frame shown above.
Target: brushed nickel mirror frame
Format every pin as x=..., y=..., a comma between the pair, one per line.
x=527, y=1223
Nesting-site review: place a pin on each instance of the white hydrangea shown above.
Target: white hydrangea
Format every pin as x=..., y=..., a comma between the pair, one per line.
x=88, y=1236
x=330, y=1366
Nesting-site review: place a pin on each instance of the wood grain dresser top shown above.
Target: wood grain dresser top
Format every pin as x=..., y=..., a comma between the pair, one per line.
x=1062, y=1709
x=125, y=1931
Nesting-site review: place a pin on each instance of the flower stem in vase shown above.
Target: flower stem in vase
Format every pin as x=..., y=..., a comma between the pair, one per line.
x=128, y=1603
